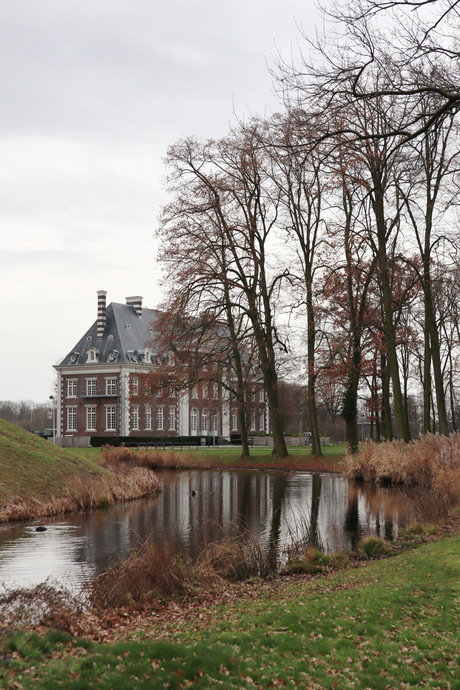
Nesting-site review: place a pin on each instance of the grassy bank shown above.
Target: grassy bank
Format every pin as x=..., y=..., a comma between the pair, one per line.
x=392, y=623
x=38, y=478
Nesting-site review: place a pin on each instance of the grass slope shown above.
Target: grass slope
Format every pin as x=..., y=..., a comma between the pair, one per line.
x=393, y=623
x=30, y=466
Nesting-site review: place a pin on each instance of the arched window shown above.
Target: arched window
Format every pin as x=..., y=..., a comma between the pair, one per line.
x=204, y=419
x=193, y=420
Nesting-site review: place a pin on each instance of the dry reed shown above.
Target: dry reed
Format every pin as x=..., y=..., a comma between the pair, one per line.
x=238, y=557
x=152, y=573
x=84, y=492
x=431, y=463
x=113, y=457
x=149, y=573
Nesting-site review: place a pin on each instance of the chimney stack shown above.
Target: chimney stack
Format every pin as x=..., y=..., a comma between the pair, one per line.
x=101, y=313
x=135, y=302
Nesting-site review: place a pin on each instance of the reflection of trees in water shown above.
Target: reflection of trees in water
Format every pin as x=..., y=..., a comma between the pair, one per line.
x=273, y=506
x=351, y=524
x=278, y=493
x=377, y=510
x=314, y=537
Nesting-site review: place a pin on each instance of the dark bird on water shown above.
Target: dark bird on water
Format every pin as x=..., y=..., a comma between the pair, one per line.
x=40, y=529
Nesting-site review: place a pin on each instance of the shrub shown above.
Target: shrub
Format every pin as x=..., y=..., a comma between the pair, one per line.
x=312, y=561
x=373, y=547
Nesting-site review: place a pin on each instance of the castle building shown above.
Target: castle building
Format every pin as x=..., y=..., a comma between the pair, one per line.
x=99, y=382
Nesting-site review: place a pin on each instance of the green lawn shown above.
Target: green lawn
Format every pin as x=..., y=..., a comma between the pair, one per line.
x=391, y=624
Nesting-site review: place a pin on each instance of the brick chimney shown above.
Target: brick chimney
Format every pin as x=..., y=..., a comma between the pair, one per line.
x=101, y=313
x=135, y=302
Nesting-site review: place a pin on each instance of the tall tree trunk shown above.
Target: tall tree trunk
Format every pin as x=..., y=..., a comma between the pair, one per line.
x=350, y=400
x=388, y=324
x=386, y=425
x=430, y=320
x=311, y=376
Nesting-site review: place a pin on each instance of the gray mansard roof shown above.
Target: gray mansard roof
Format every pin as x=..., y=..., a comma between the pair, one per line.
x=126, y=339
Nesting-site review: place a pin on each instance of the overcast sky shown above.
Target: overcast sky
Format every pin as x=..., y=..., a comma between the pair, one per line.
x=92, y=94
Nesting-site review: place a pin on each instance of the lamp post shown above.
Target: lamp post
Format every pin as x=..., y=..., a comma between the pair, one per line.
x=53, y=418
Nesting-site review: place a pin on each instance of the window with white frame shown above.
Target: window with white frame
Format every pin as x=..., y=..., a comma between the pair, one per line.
x=172, y=391
x=160, y=418
x=261, y=395
x=215, y=391
x=111, y=418
x=253, y=395
x=205, y=390
x=71, y=388
x=135, y=418
x=204, y=419
x=90, y=417
x=215, y=423
x=72, y=418
x=135, y=386
x=159, y=390
x=234, y=420
x=194, y=420
x=111, y=386
x=90, y=386
x=148, y=418
x=195, y=392
x=262, y=421
x=91, y=355
x=172, y=418
x=253, y=421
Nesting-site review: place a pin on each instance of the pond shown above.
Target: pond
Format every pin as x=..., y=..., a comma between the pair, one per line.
x=196, y=507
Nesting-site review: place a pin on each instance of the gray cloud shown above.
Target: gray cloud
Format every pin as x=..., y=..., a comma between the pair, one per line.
x=93, y=92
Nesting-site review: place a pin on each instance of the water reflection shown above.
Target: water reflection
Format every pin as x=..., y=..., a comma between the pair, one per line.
x=196, y=507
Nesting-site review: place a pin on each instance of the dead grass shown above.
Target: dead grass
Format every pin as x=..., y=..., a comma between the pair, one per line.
x=430, y=464
x=48, y=604
x=150, y=573
x=85, y=492
x=239, y=557
x=154, y=573
x=119, y=457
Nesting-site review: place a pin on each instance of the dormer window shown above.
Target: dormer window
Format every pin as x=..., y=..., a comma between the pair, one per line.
x=171, y=360
x=112, y=355
x=92, y=355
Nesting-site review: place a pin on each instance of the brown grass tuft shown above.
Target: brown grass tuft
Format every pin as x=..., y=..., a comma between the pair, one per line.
x=148, y=574
x=239, y=557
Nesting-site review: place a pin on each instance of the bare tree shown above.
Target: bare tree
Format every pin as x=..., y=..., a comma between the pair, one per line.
x=299, y=175
x=223, y=188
